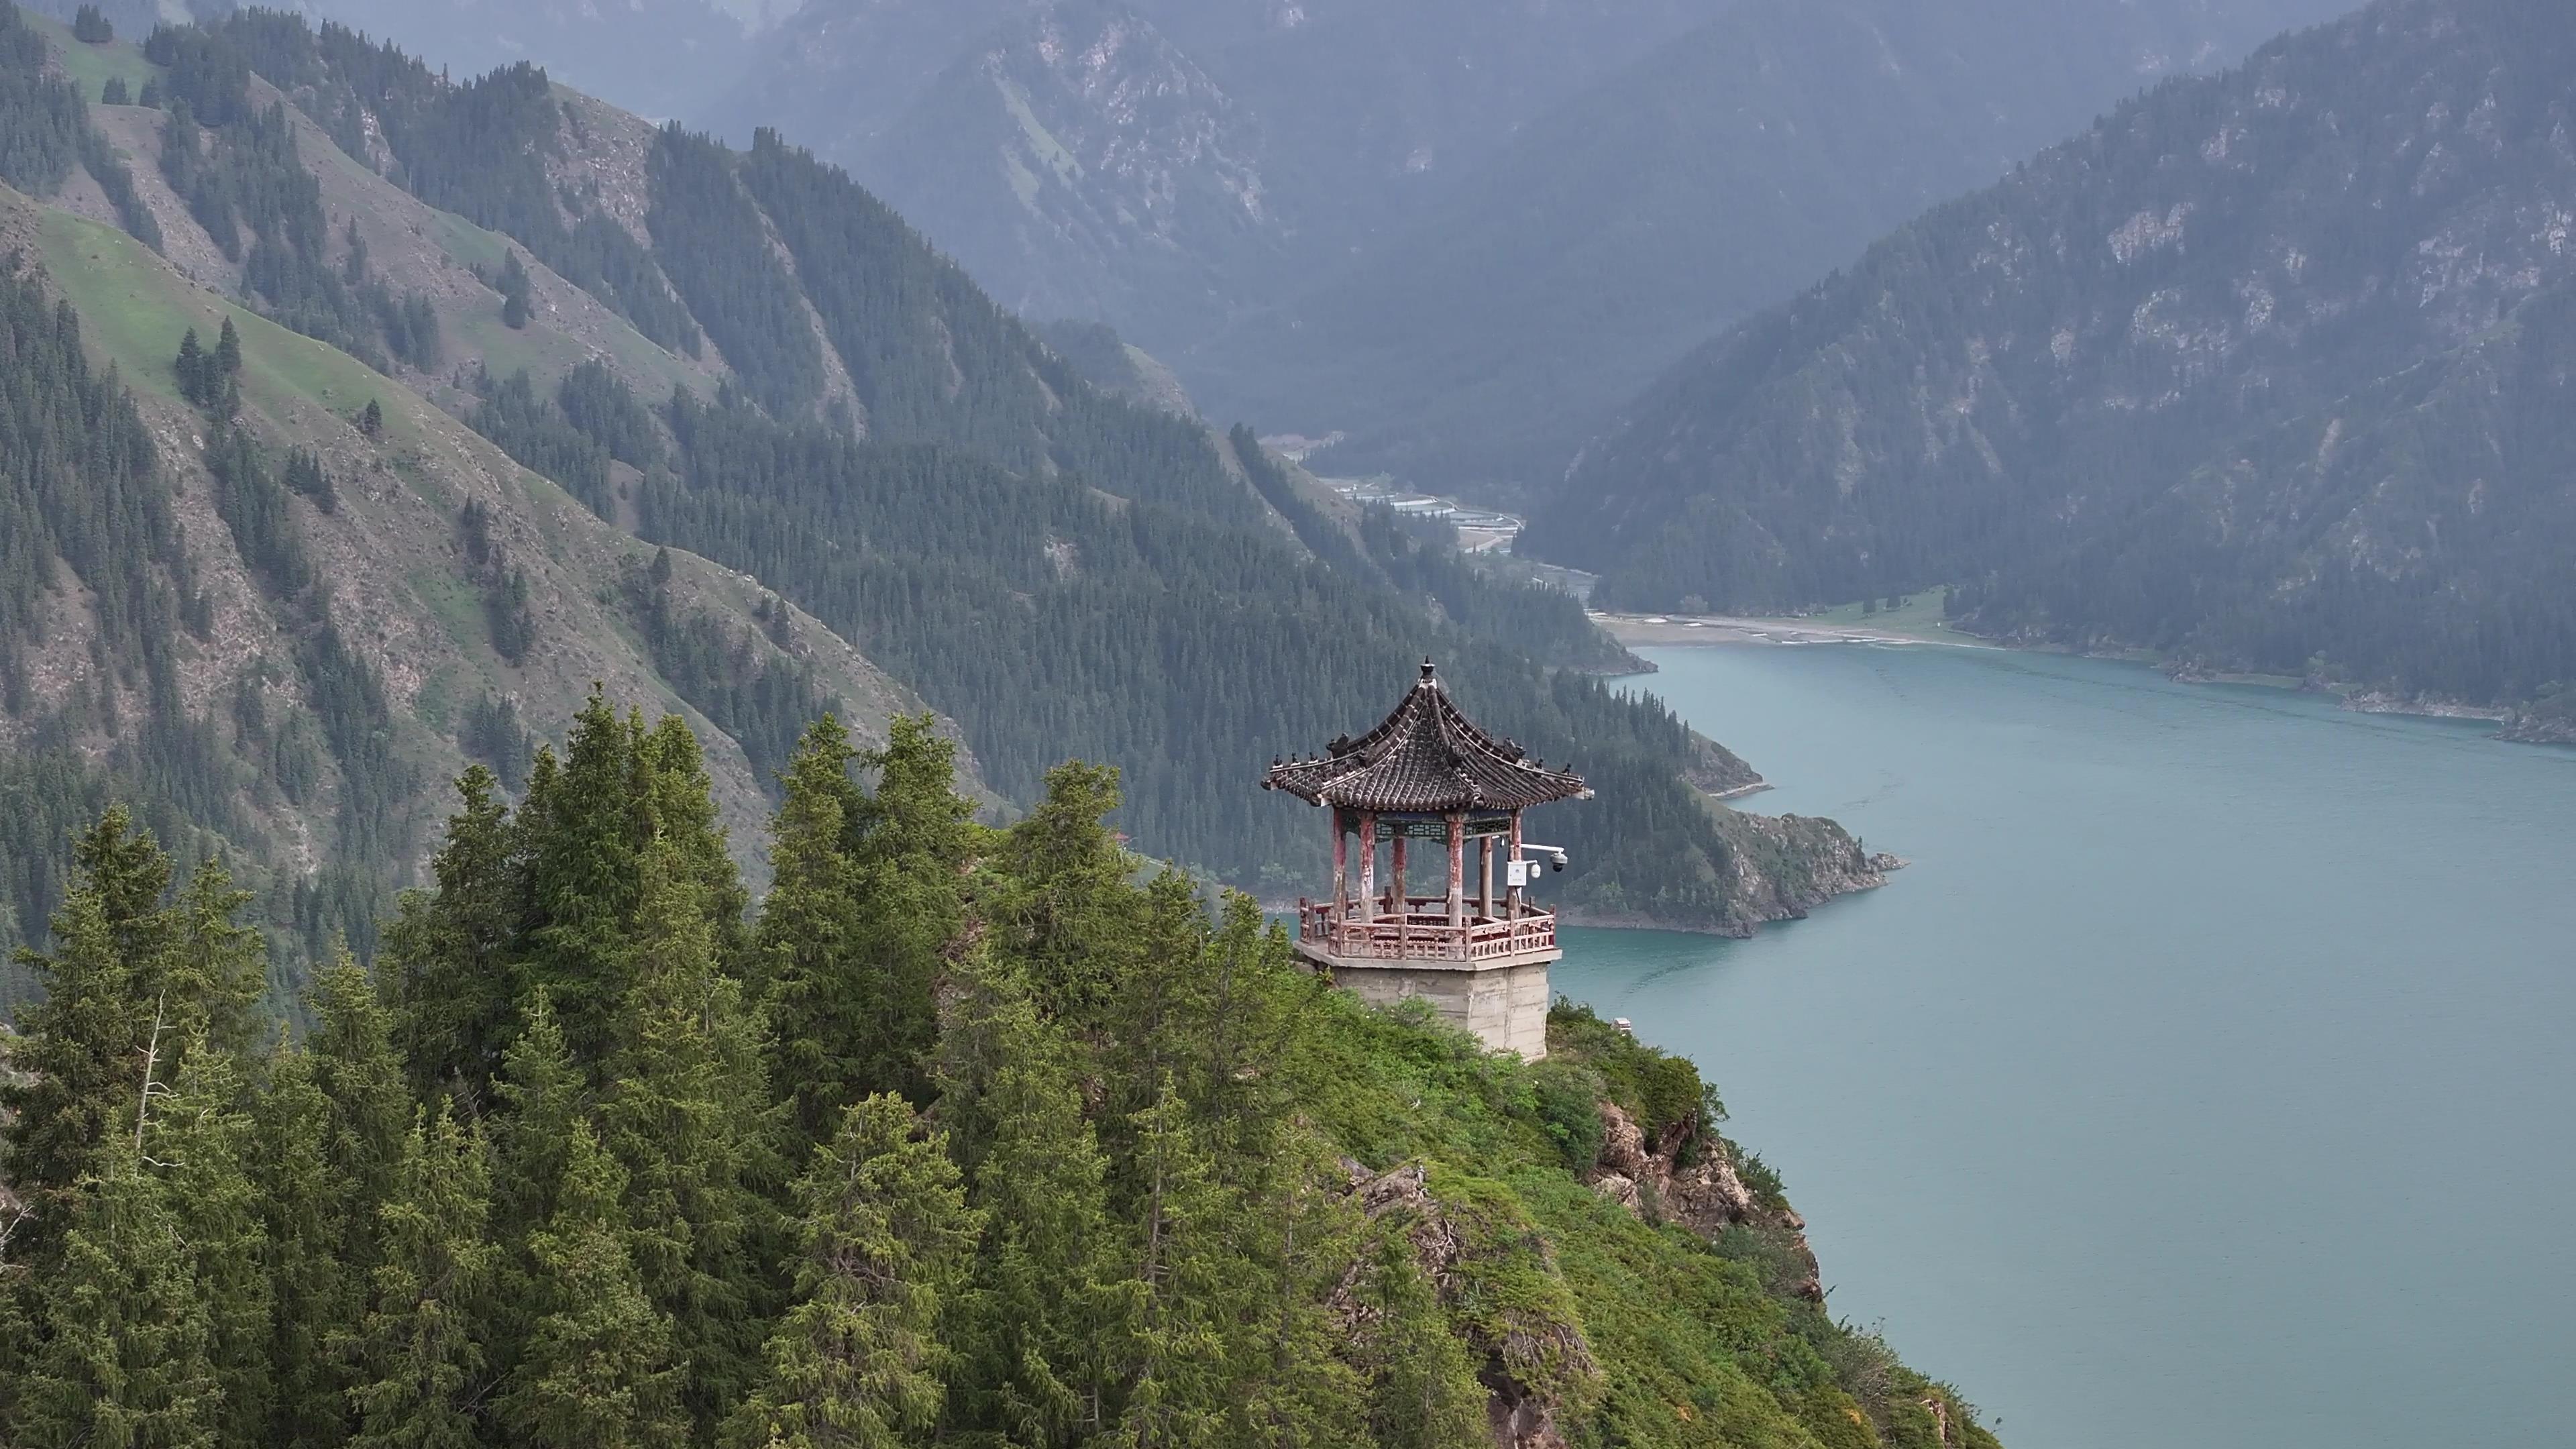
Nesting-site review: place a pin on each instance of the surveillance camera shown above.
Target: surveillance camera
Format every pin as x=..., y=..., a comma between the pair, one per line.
x=1557, y=860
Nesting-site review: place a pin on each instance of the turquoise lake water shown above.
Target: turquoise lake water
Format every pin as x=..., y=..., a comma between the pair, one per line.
x=2206, y=1081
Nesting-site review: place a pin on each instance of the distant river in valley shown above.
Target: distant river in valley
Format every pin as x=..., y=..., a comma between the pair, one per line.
x=2207, y=1079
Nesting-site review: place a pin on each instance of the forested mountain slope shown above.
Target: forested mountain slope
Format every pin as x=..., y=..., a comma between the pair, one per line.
x=964, y=1136
x=2264, y=371
x=272, y=598
x=745, y=356
x=1544, y=287
x=299, y=616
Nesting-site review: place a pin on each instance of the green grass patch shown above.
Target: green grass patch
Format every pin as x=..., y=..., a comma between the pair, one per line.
x=90, y=66
x=1916, y=616
x=134, y=310
x=456, y=604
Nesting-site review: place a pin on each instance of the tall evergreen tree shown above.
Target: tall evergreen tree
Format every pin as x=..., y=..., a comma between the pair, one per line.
x=867, y=897
x=199, y=1144
x=911, y=840
x=687, y=1118
x=359, y=1074
x=127, y=1354
x=307, y=1204
x=586, y=823
x=218, y=968
x=1064, y=915
x=600, y=1369
x=450, y=951
x=885, y=1238
x=1054, y=1322
x=542, y=1091
x=80, y=1060
x=678, y=801
x=808, y=934
x=419, y=1361
x=1193, y=1300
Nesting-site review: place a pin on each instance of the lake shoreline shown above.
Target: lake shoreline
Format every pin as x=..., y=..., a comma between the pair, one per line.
x=1721, y=631
x=2181, y=966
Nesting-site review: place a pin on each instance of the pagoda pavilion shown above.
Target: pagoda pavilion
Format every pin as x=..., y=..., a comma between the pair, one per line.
x=1429, y=775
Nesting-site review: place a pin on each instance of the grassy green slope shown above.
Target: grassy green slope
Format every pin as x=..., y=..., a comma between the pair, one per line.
x=390, y=551
x=1654, y=1332
x=90, y=66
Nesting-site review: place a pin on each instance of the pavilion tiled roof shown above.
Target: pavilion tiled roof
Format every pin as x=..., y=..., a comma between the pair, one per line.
x=1426, y=758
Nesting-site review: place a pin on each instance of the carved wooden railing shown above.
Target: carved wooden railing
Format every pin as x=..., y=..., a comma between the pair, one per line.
x=1422, y=932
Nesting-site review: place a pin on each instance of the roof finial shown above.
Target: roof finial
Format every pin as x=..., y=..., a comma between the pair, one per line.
x=1427, y=670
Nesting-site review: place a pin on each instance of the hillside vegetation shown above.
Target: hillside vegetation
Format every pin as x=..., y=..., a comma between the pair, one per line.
x=2266, y=371
x=672, y=351
x=966, y=1136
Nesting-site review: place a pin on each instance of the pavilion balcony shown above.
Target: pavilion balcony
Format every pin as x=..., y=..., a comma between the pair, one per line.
x=1370, y=931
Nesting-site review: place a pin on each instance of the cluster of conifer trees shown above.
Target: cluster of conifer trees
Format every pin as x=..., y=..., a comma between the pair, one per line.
x=239, y=169
x=45, y=129
x=477, y=149
x=964, y=1134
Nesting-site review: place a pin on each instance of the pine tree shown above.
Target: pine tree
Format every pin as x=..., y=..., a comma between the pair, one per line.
x=228, y=352
x=514, y=287
x=911, y=843
x=1192, y=1288
x=358, y=1072
x=680, y=808
x=114, y=92
x=1064, y=916
x=687, y=1118
x=82, y=1045
x=218, y=968
x=586, y=825
x=600, y=1369
x=542, y=1090
x=449, y=953
x=544, y=1098
x=192, y=369
x=808, y=931
x=371, y=419
x=1156, y=1005
x=419, y=1358
x=1055, y=1319
x=126, y=1355
x=886, y=1237
x=306, y=1204
x=199, y=1144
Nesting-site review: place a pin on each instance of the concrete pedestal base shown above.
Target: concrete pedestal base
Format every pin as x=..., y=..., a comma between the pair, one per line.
x=1503, y=1001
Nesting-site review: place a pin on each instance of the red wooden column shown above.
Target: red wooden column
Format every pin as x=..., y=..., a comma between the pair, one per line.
x=1368, y=864
x=1485, y=893
x=1402, y=907
x=1457, y=869
x=1341, y=868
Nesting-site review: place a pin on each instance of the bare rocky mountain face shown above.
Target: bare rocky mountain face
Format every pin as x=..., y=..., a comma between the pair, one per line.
x=2268, y=371
x=1459, y=233
x=655, y=57
x=1086, y=167
x=1166, y=165
x=1536, y=290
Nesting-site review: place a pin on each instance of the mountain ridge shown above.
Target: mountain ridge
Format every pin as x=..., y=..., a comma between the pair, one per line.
x=743, y=356
x=2121, y=428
